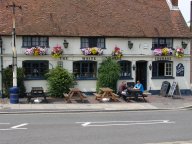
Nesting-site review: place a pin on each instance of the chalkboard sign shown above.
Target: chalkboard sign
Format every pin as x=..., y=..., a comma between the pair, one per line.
x=165, y=88
x=172, y=89
x=180, y=70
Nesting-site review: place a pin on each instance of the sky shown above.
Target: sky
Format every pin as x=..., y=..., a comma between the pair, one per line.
x=184, y=6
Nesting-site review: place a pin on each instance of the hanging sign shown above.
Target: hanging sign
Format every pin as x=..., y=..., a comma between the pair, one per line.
x=180, y=70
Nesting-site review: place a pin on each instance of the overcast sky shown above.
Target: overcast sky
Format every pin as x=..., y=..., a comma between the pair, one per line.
x=184, y=6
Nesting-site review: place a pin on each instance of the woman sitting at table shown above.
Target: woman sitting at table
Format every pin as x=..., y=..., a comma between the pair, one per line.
x=140, y=87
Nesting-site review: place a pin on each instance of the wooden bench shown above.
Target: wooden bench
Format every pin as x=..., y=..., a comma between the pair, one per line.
x=143, y=95
x=35, y=93
x=115, y=94
x=97, y=96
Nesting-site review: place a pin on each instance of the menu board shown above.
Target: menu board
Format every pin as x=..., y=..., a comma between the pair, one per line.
x=165, y=88
x=174, y=90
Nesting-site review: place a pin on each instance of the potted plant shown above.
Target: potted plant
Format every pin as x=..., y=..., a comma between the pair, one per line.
x=117, y=53
x=92, y=51
x=57, y=52
x=163, y=52
x=179, y=53
x=36, y=51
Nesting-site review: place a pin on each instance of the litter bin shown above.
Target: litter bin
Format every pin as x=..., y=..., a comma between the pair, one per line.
x=14, y=95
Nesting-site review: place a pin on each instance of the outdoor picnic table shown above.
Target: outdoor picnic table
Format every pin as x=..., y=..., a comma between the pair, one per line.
x=135, y=93
x=74, y=93
x=106, y=93
x=35, y=93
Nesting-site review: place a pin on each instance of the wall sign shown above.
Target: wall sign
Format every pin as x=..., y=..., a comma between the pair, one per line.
x=180, y=70
x=157, y=58
x=88, y=58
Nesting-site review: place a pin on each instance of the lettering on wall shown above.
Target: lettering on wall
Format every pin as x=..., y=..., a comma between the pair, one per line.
x=158, y=58
x=65, y=58
x=88, y=58
x=180, y=70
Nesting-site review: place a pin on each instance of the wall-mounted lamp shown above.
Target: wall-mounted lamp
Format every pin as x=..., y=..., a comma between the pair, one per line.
x=130, y=44
x=183, y=44
x=150, y=67
x=65, y=44
x=134, y=67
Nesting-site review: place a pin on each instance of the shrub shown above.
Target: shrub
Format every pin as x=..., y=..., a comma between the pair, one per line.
x=108, y=74
x=8, y=81
x=59, y=81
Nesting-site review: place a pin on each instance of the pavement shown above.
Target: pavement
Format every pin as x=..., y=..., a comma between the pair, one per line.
x=153, y=102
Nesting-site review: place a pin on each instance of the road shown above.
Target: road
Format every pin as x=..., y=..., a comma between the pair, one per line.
x=131, y=127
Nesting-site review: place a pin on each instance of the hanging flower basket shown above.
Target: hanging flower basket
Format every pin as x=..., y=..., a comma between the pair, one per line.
x=179, y=53
x=57, y=52
x=36, y=51
x=117, y=53
x=163, y=52
x=92, y=51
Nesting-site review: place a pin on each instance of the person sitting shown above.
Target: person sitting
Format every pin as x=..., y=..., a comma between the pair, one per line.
x=122, y=89
x=139, y=86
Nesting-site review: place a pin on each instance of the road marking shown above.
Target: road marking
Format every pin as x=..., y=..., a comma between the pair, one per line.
x=120, y=123
x=174, y=142
x=17, y=127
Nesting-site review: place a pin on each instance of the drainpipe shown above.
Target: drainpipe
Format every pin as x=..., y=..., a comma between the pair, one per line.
x=1, y=52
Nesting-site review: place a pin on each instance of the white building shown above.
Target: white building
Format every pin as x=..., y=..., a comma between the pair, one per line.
x=136, y=27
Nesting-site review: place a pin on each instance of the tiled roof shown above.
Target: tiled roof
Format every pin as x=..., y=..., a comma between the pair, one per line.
x=119, y=18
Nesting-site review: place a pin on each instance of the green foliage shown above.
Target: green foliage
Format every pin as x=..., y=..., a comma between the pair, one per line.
x=8, y=81
x=59, y=81
x=108, y=74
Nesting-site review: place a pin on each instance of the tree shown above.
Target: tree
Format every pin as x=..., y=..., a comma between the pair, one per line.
x=108, y=74
x=59, y=81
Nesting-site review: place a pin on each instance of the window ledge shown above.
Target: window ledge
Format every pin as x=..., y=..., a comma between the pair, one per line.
x=163, y=77
x=86, y=78
x=125, y=78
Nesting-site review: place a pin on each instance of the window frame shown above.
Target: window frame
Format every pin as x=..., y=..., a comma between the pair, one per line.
x=88, y=42
x=126, y=67
x=168, y=68
x=35, y=66
x=162, y=43
x=33, y=41
x=85, y=69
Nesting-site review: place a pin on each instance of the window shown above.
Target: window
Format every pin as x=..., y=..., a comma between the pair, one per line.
x=162, y=69
x=125, y=69
x=162, y=42
x=35, y=69
x=85, y=69
x=33, y=41
x=92, y=42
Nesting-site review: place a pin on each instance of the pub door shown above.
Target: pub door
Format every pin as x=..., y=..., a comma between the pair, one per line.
x=141, y=73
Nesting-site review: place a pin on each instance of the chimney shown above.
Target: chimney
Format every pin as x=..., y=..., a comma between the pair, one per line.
x=174, y=2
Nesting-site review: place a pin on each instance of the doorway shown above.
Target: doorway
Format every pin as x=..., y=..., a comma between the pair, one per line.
x=141, y=73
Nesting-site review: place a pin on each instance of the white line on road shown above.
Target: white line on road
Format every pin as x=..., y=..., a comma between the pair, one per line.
x=18, y=126
x=120, y=123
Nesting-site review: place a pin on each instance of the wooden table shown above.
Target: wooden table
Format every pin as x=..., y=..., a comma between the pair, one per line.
x=106, y=93
x=74, y=92
x=135, y=93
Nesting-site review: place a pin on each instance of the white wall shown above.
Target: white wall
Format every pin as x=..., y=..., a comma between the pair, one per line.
x=141, y=51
